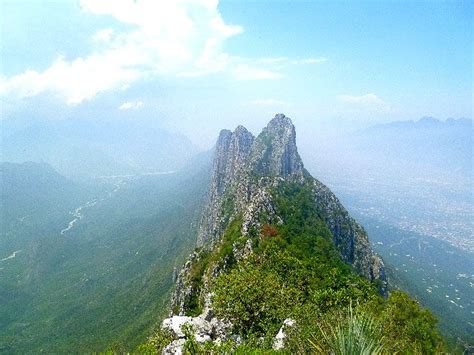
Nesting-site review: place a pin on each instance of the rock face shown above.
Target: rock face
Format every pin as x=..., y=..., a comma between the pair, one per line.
x=205, y=328
x=230, y=162
x=348, y=236
x=245, y=172
x=279, y=341
x=239, y=159
x=274, y=152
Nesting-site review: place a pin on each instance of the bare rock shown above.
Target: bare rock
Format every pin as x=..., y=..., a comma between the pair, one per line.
x=279, y=341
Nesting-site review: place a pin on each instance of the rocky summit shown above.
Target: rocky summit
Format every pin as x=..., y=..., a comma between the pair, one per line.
x=246, y=168
x=248, y=176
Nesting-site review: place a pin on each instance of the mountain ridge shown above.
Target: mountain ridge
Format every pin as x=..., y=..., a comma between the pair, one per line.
x=253, y=178
x=240, y=158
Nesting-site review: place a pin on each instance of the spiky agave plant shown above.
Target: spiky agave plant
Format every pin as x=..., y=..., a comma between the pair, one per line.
x=356, y=333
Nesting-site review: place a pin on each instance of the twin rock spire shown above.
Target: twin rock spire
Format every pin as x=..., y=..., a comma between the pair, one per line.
x=246, y=169
x=272, y=153
x=239, y=160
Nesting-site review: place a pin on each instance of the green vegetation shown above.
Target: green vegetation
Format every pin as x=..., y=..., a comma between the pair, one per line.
x=357, y=333
x=295, y=272
x=221, y=257
x=255, y=301
x=407, y=326
x=105, y=283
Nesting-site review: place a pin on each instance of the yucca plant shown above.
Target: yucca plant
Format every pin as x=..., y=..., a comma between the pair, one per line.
x=356, y=333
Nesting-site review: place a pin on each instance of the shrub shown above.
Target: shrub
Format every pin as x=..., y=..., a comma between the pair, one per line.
x=408, y=326
x=356, y=333
x=255, y=301
x=269, y=231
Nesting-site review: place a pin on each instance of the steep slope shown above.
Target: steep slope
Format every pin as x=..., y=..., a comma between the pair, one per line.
x=247, y=168
x=277, y=249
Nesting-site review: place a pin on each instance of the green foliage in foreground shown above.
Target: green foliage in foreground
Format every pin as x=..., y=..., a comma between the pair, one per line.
x=356, y=334
x=295, y=272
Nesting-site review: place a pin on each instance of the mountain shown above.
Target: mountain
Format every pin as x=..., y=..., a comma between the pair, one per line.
x=247, y=169
x=87, y=148
x=23, y=183
x=280, y=261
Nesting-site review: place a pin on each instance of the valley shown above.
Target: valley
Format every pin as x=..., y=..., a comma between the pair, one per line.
x=109, y=273
x=437, y=272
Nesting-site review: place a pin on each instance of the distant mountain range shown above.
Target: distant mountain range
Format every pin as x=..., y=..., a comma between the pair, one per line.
x=425, y=122
x=86, y=148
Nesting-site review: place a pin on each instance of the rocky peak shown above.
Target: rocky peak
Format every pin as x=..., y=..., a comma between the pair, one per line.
x=232, y=150
x=274, y=152
x=247, y=169
x=239, y=158
x=220, y=161
x=247, y=174
x=239, y=149
x=230, y=163
x=280, y=120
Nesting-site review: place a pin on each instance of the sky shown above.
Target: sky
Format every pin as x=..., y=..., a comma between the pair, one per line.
x=197, y=66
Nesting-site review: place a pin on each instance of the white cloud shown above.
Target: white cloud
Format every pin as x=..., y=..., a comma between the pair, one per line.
x=162, y=38
x=368, y=99
x=166, y=38
x=131, y=105
x=104, y=35
x=268, y=102
x=77, y=80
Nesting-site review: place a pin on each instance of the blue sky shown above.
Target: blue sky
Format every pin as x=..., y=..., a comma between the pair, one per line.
x=200, y=65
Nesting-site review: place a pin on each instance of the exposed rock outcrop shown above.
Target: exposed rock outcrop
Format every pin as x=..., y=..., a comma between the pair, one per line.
x=348, y=236
x=274, y=152
x=279, y=341
x=203, y=328
x=240, y=159
x=230, y=163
